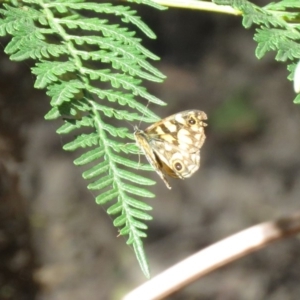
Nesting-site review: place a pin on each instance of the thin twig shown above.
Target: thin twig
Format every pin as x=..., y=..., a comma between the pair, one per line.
x=215, y=256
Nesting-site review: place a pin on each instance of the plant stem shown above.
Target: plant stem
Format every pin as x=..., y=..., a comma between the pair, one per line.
x=200, y=5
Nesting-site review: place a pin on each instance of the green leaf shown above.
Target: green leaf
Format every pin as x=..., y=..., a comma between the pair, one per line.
x=297, y=99
x=84, y=140
x=126, y=99
x=137, y=191
x=137, y=204
x=130, y=163
x=72, y=124
x=107, y=196
x=120, y=221
x=140, y=253
x=125, y=231
x=135, y=178
x=90, y=156
x=50, y=71
x=64, y=91
x=140, y=214
x=101, y=183
x=115, y=208
x=140, y=225
x=283, y=5
x=128, y=16
x=96, y=170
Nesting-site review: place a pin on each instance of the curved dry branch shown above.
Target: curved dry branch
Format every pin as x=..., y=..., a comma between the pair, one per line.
x=216, y=256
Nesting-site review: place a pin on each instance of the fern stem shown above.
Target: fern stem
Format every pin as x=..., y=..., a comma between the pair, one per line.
x=199, y=5
x=134, y=234
x=55, y=24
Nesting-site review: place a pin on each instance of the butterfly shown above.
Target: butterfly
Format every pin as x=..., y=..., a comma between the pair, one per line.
x=172, y=145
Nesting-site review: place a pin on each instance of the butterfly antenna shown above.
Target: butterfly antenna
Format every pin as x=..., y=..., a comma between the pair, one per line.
x=143, y=115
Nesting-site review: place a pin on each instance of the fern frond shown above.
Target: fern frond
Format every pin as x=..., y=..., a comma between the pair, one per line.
x=64, y=91
x=282, y=5
x=119, y=80
x=279, y=28
x=50, y=71
x=271, y=38
x=127, y=15
x=114, y=32
x=125, y=99
x=66, y=45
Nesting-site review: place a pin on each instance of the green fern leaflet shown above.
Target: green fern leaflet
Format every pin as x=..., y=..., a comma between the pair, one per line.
x=279, y=29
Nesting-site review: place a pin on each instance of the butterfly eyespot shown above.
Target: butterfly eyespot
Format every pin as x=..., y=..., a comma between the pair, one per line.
x=178, y=166
x=192, y=121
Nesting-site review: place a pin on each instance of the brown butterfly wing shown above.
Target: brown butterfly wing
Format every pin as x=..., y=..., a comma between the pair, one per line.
x=176, y=142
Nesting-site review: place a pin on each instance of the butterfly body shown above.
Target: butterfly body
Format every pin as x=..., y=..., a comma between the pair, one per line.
x=172, y=145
